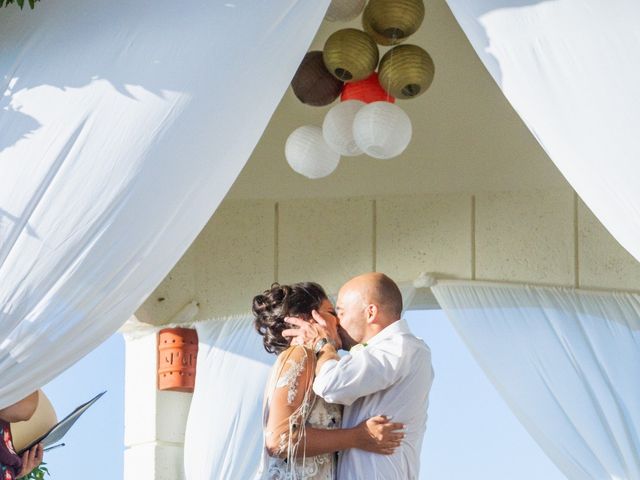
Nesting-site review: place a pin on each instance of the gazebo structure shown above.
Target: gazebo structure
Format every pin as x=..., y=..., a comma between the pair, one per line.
x=125, y=187
x=474, y=197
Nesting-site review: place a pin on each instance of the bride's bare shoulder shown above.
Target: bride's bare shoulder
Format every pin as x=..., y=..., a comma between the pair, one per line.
x=297, y=355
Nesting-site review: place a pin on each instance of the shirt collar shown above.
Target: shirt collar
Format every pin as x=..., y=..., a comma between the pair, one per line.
x=396, y=328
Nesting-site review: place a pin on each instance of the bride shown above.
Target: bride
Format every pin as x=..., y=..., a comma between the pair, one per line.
x=302, y=433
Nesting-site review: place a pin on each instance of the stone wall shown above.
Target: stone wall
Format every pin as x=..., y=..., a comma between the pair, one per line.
x=545, y=237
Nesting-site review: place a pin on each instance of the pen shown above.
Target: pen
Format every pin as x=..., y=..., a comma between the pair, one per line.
x=52, y=447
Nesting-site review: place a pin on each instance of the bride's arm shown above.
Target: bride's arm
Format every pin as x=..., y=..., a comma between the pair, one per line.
x=290, y=400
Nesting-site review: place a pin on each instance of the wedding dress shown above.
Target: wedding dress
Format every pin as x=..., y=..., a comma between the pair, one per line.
x=291, y=382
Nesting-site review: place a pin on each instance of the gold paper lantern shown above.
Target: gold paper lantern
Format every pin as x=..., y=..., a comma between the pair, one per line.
x=390, y=22
x=344, y=10
x=379, y=39
x=406, y=71
x=350, y=55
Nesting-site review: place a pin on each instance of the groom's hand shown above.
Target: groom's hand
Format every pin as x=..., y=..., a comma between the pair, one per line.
x=379, y=435
x=306, y=333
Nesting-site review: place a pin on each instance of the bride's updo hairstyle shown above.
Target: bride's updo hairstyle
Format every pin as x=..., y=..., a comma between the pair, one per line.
x=272, y=306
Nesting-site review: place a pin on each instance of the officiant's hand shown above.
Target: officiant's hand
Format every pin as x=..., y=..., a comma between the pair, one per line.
x=30, y=460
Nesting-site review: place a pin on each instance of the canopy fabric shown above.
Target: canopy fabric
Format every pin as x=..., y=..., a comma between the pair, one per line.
x=122, y=128
x=223, y=438
x=567, y=363
x=570, y=68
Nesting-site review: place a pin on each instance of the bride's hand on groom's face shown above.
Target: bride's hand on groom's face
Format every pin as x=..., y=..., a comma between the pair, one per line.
x=309, y=332
x=330, y=326
x=304, y=333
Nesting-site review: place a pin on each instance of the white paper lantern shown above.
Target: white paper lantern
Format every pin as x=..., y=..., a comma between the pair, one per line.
x=308, y=154
x=382, y=130
x=337, y=128
x=344, y=10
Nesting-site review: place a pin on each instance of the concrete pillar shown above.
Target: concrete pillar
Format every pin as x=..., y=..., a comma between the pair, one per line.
x=154, y=420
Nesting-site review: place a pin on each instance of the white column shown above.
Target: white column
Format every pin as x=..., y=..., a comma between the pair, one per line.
x=154, y=421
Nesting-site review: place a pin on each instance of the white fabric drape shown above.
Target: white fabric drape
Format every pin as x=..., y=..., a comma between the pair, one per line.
x=570, y=68
x=122, y=127
x=567, y=363
x=223, y=438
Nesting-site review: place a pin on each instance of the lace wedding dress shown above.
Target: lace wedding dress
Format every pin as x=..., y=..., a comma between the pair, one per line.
x=291, y=381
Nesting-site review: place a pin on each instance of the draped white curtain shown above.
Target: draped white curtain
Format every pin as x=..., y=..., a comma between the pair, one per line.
x=223, y=438
x=570, y=68
x=567, y=363
x=122, y=127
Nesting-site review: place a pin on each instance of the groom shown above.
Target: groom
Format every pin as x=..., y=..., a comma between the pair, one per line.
x=387, y=371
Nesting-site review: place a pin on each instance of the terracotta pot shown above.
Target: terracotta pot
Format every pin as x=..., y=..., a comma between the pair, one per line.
x=177, y=357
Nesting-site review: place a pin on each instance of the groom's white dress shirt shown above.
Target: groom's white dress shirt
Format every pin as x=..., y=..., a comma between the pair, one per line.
x=391, y=376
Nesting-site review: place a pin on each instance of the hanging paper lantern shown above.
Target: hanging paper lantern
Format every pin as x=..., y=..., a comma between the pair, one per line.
x=313, y=84
x=406, y=71
x=379, y=39
x=337, y=128
x=368, y=90
x=382, y=130
x=391, y=21
x=350, y=55
x=308, y=154
x=344, y=10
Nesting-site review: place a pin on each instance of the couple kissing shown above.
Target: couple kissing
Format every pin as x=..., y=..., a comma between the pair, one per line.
x=361, y=415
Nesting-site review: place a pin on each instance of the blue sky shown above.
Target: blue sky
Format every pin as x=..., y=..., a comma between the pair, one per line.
x=94, y=446
x=471, y=433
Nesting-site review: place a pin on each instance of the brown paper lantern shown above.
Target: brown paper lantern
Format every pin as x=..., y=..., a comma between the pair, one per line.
x=350, y=55
x=406, y=71
x=313, y=84
x=390, y=22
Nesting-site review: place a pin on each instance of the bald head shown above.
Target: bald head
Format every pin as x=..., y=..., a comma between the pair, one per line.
x=380, y=290
x=366, y=305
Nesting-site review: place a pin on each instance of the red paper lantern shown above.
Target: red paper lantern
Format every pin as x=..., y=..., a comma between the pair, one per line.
x=368, y=90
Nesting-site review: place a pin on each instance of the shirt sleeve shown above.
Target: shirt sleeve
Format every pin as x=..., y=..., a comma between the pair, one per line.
x=360, y=374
